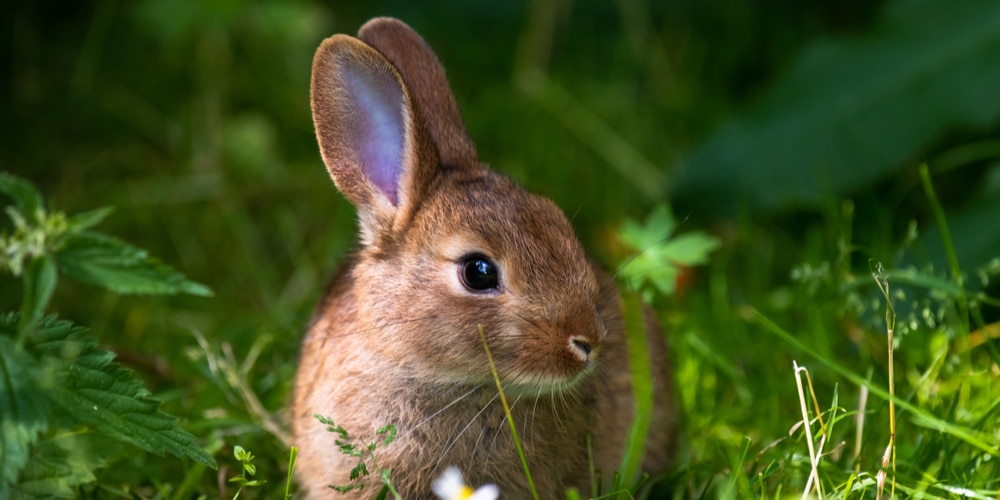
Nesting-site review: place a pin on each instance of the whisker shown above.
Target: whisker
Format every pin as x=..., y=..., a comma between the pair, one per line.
x=475, y=417
x=445, y=407
x=496, y=435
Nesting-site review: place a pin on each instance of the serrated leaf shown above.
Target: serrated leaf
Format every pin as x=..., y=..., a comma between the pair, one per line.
x=39, y=283
x=57, y=466
x=87, y=220
x=26, y=198
x=102, y=260
x=89, y=387
x=23, y=409
x=111, y=399
x=850, y=112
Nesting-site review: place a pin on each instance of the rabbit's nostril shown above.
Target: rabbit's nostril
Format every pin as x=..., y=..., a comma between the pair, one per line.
x=582, y=346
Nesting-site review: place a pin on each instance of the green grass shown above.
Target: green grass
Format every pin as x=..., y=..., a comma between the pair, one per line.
x=192, y=121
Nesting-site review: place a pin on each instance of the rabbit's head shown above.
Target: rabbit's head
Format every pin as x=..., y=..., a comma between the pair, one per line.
x=447, y=246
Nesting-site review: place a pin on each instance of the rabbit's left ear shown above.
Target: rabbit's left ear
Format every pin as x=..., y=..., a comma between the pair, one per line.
x=425, y=78
x=370, y=134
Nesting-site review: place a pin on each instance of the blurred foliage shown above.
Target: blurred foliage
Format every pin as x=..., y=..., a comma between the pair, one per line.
x=192, y=120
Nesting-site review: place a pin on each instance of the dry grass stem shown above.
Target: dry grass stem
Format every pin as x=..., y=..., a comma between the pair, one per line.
x=813, y=456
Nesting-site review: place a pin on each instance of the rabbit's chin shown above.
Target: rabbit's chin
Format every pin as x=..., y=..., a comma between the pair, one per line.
x=523, y=384
x=545, y=385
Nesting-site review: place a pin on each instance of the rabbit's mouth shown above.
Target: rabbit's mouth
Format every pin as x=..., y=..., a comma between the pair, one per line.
x=542, y=384
x=542, y=371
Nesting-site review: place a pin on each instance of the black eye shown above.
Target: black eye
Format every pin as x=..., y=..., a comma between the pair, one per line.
x=479, y=273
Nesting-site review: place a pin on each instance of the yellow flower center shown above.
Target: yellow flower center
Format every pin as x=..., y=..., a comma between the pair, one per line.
x=464, y=493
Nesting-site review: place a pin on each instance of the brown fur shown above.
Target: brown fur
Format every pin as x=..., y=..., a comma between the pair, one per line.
x=396, y=338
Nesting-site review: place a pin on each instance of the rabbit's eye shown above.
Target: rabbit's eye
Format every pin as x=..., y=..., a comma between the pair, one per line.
x=478, y=273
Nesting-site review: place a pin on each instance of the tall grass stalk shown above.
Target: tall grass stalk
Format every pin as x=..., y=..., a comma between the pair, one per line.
x=506, y=410
x=642, y=386
x=813, y=455
x=882, y=280
x=981, y=440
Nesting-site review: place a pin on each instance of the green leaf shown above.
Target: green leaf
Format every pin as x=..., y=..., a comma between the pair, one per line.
x=689, y=249
x=850, y=112
x=660, y=256
x=660, y=224
x=23, y=409
x=86, y=220
x=102, y=260
x=39, y=283
x=57, y=467
x=26, y=198
x=390, y=431
x=97, y=392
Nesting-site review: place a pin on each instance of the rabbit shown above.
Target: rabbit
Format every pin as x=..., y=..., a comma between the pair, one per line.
x=449, y=251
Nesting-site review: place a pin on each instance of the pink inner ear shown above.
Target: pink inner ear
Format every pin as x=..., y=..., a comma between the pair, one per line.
x=376, y=125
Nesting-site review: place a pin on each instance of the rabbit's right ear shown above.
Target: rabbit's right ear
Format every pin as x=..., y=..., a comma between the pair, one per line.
x=370, y=136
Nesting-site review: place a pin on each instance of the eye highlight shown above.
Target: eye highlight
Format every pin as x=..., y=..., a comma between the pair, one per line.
x=478, y=273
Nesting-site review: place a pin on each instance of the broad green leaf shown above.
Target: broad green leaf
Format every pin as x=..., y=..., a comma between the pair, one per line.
x=101, y=394
x=850, y=112
x=23, y=409
x=26, y=198
x=102, y=260
x=93, y=390
x=39, y=283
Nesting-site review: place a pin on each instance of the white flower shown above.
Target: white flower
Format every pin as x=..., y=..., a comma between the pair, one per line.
x=451, y=486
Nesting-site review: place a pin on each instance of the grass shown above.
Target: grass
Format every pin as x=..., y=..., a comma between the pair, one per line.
x=210, y=162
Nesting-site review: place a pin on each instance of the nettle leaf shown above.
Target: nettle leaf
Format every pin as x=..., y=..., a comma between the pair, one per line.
x=105, y=261
x=89, y=387
x=26, y=198
x=86, y=220
x=23, y=409
x=57, y=466
x=39, y=283
x=109, y=398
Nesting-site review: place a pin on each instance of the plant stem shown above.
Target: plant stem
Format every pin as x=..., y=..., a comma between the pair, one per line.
x=961, y=299
x=510, y=418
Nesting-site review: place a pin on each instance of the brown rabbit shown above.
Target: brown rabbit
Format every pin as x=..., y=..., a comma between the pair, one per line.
x=447, y=247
